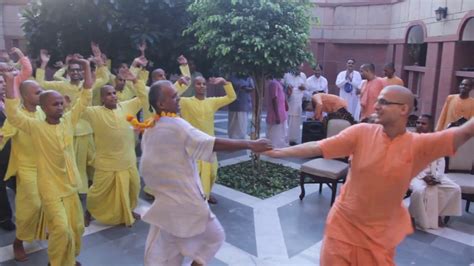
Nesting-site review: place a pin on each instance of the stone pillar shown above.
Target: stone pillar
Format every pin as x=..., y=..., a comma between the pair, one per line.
x=429, y=87
x=399, y=61
x=2, y=29
x=447, y=77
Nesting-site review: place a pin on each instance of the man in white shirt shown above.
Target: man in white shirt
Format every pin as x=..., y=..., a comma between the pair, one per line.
x=181, y=223
x=317, y=83
x=295, y=84
x=349, y=82
x=433, y=194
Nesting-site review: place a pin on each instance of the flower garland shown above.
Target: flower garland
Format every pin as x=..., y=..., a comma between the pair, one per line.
x=150, y=122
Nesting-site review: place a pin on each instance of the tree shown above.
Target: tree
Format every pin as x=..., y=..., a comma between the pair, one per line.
x=261, y=38
x=68, y=26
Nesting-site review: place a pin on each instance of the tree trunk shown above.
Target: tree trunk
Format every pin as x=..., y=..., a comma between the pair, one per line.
x=257, y=113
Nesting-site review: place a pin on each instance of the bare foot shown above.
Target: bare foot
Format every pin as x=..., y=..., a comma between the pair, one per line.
x=19, y=250
x=136, y=216
x=212, y=200
x=87, y=218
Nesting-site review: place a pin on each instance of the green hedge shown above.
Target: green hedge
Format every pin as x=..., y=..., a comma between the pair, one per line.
x=271, y=180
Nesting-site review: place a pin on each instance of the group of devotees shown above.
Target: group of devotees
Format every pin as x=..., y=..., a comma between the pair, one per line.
x=63, y=130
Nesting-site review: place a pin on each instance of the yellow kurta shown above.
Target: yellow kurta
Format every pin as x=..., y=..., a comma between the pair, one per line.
x=29, y=218
x=200, y=114
x=454, y=108
x=114, y=193
x=83, y=141
x=58, y=177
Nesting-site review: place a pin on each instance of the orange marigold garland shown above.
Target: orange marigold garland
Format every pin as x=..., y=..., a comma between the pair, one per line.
x=150, y=122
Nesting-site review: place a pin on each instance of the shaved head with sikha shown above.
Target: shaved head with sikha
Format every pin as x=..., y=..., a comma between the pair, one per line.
x=30, y=92
x=394, y=104
x=52, y=103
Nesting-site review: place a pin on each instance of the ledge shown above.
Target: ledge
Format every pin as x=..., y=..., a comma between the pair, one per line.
x=465, y=74
x=415, y=68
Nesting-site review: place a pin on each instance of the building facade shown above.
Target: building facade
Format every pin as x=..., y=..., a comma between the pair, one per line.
x=430, y=55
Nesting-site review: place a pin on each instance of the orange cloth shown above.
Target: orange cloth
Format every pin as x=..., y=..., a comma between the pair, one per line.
x=328, y=103
x=393, y=81
x=454, y=108
x=369, y=91
x=335, y=252
x=369, y=212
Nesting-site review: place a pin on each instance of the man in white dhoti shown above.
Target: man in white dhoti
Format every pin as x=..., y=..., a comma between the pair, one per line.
x=295, y=84
x=181, y=223
x=433, y=194
x=349, y=82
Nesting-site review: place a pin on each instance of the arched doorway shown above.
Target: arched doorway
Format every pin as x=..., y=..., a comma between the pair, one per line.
x=464, y=58
x=416, y=46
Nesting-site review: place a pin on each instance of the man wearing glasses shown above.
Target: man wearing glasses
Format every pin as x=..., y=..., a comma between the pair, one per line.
x=368, y=219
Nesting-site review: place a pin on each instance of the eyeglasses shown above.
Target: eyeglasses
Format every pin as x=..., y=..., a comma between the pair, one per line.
x=384, y=102
x=421, y=123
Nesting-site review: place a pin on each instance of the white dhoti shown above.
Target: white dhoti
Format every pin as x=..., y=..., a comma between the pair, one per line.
x=277, y=133
x=294, y=128
x=163, y=248
x=353, y=102
x=237, y=125
x=429, y=202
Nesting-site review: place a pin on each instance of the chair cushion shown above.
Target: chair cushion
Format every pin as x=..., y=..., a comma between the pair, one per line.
x=465, y=181
x=325, y=168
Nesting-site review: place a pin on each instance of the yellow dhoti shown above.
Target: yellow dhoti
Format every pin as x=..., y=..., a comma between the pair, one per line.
x=85, y=151
x=208, y=174
x=114, y=195
x=65, y=223
x=30, y=221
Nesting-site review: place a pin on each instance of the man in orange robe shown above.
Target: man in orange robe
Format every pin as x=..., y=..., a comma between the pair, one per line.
x=370, y=89
x=368, y=220
x=457, y=106
x=390, y=77
x=328, y=103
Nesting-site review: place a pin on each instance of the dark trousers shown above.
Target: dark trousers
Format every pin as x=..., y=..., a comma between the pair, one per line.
x=5, y=209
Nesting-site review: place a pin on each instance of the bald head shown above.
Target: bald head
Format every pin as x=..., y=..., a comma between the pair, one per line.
x=49, y=95
x=368, y=67
x=400, y=94
x=27, y=86
x=105, y=89
x=158, y=74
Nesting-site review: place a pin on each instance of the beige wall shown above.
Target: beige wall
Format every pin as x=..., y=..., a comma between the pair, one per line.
x=384, y=20
x=10, y=24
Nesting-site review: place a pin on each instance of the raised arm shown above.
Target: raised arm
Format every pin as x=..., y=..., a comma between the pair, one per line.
x=134, y=105
x=12, y=105
x=40, y=74
x=26, y=68
x=229, y=91
x=463, y=133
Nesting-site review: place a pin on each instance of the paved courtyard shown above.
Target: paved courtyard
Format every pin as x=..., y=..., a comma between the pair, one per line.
x=281, y=230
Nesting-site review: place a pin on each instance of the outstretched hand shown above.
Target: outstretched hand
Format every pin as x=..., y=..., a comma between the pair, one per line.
x=17, y=51
x=217, y=81
x=44, y=56
x=95, y=49
x=127, y=74
x=140, y=61
x=142, y=47
x=261, y=145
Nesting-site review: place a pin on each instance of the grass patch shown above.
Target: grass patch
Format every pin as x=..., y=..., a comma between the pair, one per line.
x=271, y=180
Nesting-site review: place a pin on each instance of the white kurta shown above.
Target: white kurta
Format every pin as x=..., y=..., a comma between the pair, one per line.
x=179, y=218
x=352, y=99
x=295, y=102
x=314, y=84
x=429, y=202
